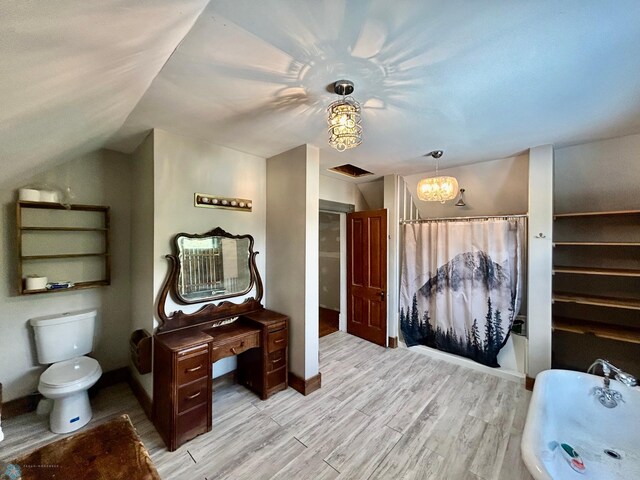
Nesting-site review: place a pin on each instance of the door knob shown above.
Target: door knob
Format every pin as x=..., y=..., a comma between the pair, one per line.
x=382, y=296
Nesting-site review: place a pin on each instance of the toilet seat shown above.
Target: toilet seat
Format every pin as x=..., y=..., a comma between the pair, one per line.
x=66, y=383
x=70, y=372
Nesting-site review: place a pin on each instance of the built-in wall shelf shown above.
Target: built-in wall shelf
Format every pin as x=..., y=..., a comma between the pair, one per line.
x=62, y=255
x=596, y=244
x=77, y=286
x=596, y=288
x=59, y=206
x=598, y=301
x=62, y=229
x=602, y=330
x=63, y=243
x=612, y=272
x=596, y=214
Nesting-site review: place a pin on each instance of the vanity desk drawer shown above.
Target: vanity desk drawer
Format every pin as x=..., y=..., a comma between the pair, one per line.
x=235, y=347
x=192, y=423
x=193, y=394
x=181, y=387
x=193, y=367
x=265, y=370
x=277, y=340
x=277, y=378
x=276, y=360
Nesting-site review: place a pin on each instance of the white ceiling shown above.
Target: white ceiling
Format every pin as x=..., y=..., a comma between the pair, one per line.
x=71, y=71
x=480, y=80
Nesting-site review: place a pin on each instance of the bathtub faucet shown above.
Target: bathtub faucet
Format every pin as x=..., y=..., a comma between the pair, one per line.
x=607, y=367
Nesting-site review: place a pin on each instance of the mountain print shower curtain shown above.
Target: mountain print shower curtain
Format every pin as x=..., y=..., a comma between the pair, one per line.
x=461, y=285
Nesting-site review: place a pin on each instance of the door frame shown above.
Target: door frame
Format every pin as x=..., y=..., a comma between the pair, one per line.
x=342, y=319
x=342, y=218
x=385, y=291
x=341, y=210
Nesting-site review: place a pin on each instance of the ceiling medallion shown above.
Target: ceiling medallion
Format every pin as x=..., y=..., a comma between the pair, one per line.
x=345, y=130
x=438, y=188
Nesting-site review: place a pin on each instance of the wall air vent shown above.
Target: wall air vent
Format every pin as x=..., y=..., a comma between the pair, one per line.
x=350, y=170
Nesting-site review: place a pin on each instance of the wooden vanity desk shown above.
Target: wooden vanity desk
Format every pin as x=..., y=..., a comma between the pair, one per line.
x=186, y=346
x=182, y=387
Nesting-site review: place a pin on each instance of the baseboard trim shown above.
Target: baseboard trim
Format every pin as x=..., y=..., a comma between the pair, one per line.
x=305, y=387
x=393, y=342
x=29, y=403
x=529, y=382
x=20, y=406
x=112, y=377
x=141, y=395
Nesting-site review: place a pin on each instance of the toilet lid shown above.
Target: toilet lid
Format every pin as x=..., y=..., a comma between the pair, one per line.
x=69, y=372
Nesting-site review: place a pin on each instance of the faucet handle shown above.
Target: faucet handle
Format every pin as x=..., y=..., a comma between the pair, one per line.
x=628, y=380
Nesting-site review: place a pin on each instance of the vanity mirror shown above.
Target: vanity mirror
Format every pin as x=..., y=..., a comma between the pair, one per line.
x=209, y=267
x=213, y=266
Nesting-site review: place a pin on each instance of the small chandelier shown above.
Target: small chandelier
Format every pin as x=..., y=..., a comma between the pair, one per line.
x=437, y=189
x=345, y=130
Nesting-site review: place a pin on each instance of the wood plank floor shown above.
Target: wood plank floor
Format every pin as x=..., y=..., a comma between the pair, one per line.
x=328, y=321
x=380, y=414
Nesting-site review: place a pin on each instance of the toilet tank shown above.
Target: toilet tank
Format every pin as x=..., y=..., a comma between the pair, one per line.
x=64, y=336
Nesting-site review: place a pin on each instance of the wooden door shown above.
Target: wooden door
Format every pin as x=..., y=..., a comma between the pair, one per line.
x=367, y=275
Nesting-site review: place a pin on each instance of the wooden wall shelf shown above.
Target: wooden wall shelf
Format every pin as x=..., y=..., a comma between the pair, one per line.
x=596, y=273
x=613, y=272
x=596, y=214
x=597, y=300
x=602, y=330
x=62, y=255
x=63, y=228
x=596, y=244
x=76, y=286
x=58, y=206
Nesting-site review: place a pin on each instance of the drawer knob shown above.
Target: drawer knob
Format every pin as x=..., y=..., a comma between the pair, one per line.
x=194, y=369
x=233, y=349
x=197, y=394
x=279, y=341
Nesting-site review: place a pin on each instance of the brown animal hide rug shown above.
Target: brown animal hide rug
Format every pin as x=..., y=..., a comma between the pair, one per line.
x=111, y=451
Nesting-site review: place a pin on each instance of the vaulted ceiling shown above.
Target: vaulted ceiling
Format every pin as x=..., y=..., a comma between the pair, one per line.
x=480, y=80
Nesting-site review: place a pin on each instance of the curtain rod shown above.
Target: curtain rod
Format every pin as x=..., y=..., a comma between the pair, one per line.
x=453, y=219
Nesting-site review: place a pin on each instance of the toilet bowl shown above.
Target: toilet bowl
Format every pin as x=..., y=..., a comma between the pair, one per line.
x=66, y=383
x=63, y=340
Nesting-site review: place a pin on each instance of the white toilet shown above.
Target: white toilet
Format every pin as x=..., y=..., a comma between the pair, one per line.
x=63, y=340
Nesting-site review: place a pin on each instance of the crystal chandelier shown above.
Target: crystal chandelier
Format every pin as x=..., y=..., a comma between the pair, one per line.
x=345, y=130
x=437, y=189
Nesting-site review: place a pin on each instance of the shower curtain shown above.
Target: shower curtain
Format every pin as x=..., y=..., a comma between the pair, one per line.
x=461, y=285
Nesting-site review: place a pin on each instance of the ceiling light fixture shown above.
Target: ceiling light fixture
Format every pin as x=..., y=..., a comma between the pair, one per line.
x=437, y=189
x=345, y=130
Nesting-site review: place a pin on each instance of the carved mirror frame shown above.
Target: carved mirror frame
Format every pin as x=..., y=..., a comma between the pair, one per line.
x=211, y=311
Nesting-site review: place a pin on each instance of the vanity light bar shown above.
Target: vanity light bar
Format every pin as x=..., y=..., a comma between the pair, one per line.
x=215, y=201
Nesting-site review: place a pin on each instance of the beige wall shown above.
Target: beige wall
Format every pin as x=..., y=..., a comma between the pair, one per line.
x=292, y=251
x=184, y=166
x=598, y=176
x=101, y=178
x=142, y=206
x=497, y=187
x=342, y=191
x=538, y=282
x=373, y=193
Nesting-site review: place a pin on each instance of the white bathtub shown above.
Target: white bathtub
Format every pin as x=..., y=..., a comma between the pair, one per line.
x=563, y=410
